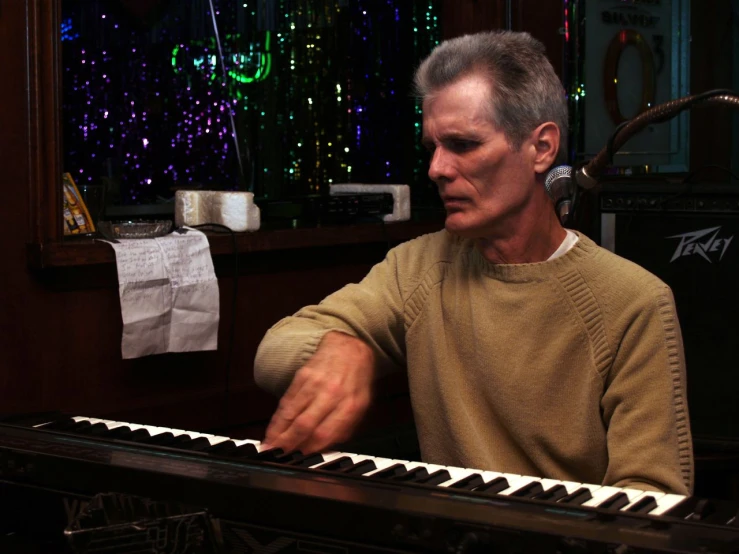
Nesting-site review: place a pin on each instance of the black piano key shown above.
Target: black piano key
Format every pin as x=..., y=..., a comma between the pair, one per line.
x=61, y=424
x=577, y=497
x=615, y=502
x=388, y=472
x=337, y=465
x=247, y=450
x=288, y=457
x=436, y=478
x=495, y=486
x=412, y=476
x=160, y=439
x=529, y=490
x=120, y=432
x=705, y=511
x=643, y=506
x=360, y=468
x=34, y=419
x=557, y=492
x=702, y=509
x=734, y=521
x=468, y=483
x=270, y=455
x=307, y=460
x=94, y=430
x=139, y=434
x=77, y=426
x=222, y=448
x=196, y=445
x=180, y=441
x=99, y=430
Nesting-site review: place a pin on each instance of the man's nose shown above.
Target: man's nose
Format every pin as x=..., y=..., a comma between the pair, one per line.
x=440, y=169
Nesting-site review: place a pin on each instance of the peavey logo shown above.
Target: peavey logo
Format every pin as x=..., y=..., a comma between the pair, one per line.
x=713, y=247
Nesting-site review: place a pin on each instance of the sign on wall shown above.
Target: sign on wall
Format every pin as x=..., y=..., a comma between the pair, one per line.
x=636, y=56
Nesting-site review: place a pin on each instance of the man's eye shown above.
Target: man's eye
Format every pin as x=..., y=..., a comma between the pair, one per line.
x=462, y=145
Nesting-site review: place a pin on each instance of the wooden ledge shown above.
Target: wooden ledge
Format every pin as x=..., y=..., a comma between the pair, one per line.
x=87, y=251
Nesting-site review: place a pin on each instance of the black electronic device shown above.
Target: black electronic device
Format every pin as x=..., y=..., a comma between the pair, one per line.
x=251, y=499
x=688, y=236
x=335, y=209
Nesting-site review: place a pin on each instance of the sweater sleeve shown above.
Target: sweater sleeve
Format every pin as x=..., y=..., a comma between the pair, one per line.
x=371, y=310
x=644, y=403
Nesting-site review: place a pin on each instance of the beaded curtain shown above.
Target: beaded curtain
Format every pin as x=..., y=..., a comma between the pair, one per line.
x=278, y=97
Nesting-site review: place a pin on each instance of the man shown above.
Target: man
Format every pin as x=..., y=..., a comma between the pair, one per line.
x=528, y=348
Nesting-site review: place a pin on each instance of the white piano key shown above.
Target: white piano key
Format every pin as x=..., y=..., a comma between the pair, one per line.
x=93, y=420
x=157, y=430
x=110, y=424
x=334, y=455
x=150, y=428
x=257, y=444
x=213, y=439
x=431, y=468
x=633, y=494
x=413, y=465
x=137, y=426
x=666, y=503
x=113, y=424
x=180, y=432
x=355, y=458
x=602, y=494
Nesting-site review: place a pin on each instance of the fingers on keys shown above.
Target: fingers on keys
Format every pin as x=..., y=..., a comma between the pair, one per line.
x=292, y=404
x=313, y=416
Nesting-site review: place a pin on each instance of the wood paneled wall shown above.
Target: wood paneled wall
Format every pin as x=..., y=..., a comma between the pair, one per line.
x=60, y=330
x=714, y=29
x=542, y=18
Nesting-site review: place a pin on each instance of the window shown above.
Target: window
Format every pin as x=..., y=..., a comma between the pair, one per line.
x=278, y=97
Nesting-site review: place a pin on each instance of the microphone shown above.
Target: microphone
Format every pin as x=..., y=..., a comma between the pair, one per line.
x=560, y=187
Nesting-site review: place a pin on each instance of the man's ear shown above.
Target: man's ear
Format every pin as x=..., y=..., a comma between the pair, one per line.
x=545, y=139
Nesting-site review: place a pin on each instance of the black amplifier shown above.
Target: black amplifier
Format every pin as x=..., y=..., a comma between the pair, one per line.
x=327, y=209
x=688, y=235
x=673, y=198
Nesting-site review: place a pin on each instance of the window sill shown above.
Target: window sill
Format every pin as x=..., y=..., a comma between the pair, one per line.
x=87, y=251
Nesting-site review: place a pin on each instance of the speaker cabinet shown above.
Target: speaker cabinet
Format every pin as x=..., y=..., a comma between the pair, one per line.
x=689, y=237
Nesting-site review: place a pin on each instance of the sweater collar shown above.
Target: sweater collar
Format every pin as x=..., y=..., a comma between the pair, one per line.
x=584, y=248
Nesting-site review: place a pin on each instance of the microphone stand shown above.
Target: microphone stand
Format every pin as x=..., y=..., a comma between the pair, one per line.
x=588, y=174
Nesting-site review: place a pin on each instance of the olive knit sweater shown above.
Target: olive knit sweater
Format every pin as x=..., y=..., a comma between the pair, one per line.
x=572, y=368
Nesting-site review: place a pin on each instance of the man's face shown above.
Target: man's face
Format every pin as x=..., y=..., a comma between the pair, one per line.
x=483, y=183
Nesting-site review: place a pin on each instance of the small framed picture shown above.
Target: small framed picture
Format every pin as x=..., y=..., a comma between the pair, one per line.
x=77, y=220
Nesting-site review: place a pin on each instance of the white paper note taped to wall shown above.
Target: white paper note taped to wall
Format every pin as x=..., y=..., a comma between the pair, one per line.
x=169, y=294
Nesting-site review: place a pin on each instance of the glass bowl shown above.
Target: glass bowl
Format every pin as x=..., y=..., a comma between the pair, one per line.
x=134, y=229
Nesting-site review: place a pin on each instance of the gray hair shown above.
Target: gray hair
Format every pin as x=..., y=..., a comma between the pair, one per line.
x=526, y=91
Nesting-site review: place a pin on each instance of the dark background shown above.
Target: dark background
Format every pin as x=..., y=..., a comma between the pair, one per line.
x=60, y=327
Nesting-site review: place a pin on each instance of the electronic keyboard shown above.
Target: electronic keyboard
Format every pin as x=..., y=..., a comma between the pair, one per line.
x=341, y=500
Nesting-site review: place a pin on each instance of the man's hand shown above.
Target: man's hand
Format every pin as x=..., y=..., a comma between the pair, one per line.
x=328, y=397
